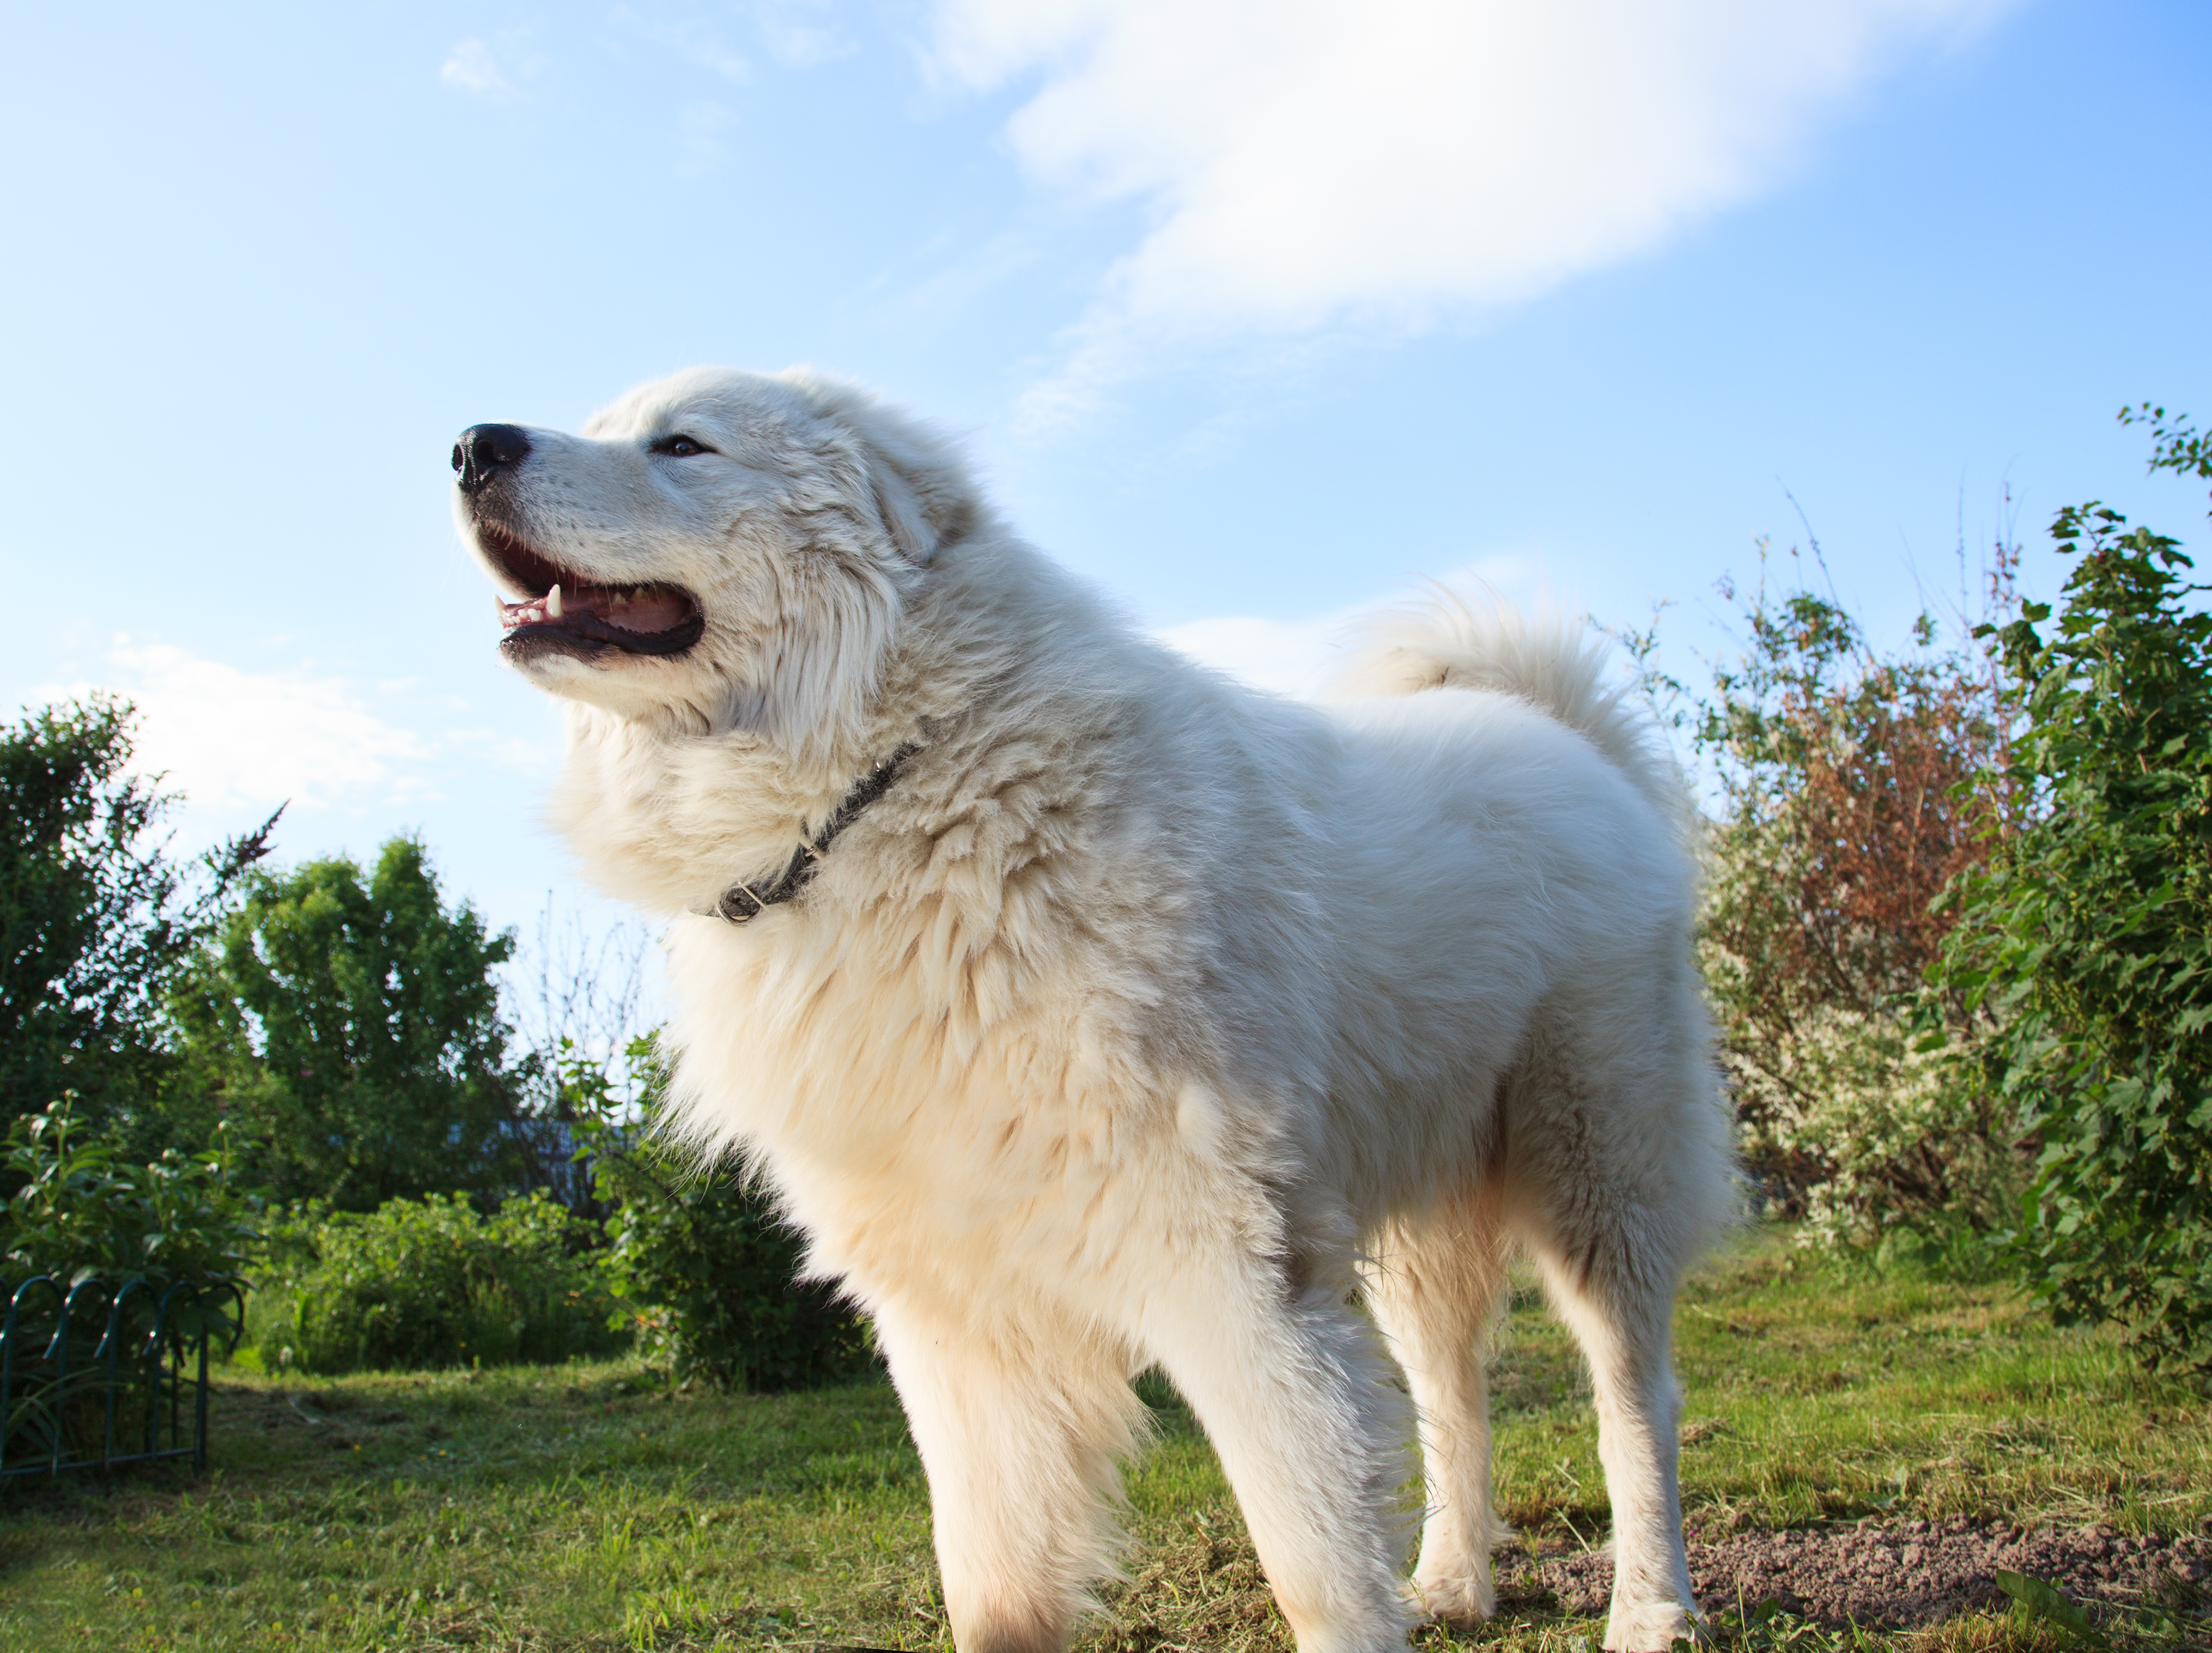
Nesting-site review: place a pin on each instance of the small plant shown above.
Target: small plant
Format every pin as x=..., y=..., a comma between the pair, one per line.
x=706, y=1267
x=432, y=1283
x=2038, y=1600
x=156, y=1251
x=81, y=1211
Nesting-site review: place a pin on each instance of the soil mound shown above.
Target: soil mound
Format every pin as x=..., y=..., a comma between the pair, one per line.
x=1894, y=1577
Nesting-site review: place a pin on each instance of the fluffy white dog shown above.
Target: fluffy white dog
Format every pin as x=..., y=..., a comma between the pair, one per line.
x=1090, y=1012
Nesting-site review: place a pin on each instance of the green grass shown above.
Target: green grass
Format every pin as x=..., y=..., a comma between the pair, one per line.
x=589, y=1507
x=1814, y=1391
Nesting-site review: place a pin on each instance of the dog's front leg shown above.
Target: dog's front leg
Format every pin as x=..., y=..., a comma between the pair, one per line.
x=1020, y=1422
x=1296, y=1395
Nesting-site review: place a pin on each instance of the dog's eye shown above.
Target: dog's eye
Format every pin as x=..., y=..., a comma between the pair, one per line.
x=680, y=447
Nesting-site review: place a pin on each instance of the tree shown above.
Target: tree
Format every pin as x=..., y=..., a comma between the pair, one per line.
x=96, y=919
x=351, y=1028
x=2089, y=933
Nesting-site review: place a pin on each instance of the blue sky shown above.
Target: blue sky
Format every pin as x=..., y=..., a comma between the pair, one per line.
x=1253, y=315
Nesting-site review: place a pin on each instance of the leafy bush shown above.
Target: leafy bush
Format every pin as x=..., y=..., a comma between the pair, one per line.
x=2090, y=934
x=83, y=1215
x=82, y=1212
x=430, y=1283
x=706, y=1267
x=1846, y=807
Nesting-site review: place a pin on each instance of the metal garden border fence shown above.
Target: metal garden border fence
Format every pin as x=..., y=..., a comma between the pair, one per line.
x=89, y=1376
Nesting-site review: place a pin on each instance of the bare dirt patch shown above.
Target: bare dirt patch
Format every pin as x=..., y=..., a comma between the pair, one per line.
x=1895, y=1578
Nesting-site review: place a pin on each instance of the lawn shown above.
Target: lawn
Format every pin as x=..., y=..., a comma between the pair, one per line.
x=591, y=1507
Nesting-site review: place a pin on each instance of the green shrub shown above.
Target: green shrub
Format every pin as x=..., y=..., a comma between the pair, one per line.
x=707, y=1269
x=431, y=1283
x=83, y=1215
x=81, y=1211
x=2090, y=934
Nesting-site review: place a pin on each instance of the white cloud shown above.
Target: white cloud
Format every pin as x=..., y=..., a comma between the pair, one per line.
x=802, y=33
x=470, y=67
x=696, y=40
x=230, y=739
x=497, y=69
x=1317, y=163
x=699, y=145
x=959, y=284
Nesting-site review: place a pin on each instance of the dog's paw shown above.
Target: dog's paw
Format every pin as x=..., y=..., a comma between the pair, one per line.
x=1457, y=1598
x=1654, y=1627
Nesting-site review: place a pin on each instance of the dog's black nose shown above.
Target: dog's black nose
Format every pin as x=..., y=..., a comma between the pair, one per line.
x=484, y=451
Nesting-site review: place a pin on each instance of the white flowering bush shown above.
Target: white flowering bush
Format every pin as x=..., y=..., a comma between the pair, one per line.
x=1883, y=1128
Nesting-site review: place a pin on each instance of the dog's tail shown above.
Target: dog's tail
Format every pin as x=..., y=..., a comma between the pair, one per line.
x=1558, y=665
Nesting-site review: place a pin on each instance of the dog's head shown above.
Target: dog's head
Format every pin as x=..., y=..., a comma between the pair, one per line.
x=727, y=548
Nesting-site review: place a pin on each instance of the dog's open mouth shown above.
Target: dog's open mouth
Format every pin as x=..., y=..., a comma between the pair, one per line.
x=570, y=613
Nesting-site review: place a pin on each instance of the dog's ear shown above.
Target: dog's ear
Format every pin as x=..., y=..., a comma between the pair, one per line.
x=919, y=489
x=900, y=508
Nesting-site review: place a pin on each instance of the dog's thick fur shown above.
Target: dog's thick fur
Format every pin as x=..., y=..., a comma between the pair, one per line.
x=1146, y=1019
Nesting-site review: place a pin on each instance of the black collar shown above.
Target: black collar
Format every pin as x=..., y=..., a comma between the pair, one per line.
x=741, y=903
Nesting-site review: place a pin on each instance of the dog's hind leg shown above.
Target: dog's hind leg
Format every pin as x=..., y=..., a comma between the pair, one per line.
x=1295, y=1393
x=1619, y=1173
x=1019, y=1429
x=1434, y=1287
x=1619, y=1312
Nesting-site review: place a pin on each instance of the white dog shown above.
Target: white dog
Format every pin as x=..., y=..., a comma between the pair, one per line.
x=1090, y=1012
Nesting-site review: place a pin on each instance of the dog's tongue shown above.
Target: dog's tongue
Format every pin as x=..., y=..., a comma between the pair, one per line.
x=633, y=608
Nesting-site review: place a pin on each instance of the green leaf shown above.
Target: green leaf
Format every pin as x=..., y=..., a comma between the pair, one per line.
x=2039, y=1599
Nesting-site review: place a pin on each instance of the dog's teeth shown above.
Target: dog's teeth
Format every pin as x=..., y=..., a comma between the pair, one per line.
x=553, y=602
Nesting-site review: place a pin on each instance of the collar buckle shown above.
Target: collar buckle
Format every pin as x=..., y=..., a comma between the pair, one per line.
x=741, y=903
